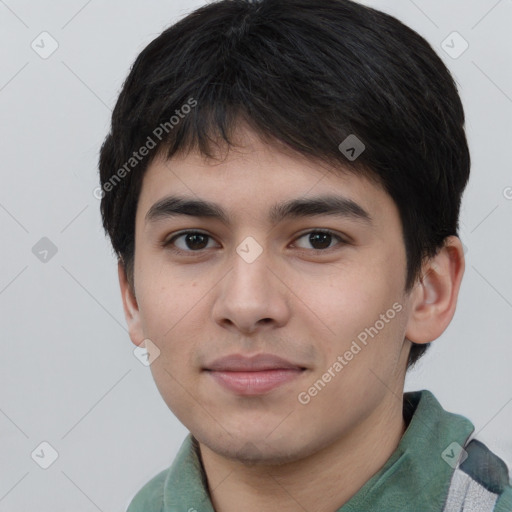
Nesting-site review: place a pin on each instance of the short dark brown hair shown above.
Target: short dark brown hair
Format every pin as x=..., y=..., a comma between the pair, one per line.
x=306, y=74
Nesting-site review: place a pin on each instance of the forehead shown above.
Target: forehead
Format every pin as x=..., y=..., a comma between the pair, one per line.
x=256, y=179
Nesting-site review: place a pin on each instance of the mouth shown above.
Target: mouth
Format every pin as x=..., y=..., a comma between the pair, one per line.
x=255, y=382
x=255, y=375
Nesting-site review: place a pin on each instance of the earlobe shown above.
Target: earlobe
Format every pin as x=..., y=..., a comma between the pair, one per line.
x=434, y=298
x=130, y=306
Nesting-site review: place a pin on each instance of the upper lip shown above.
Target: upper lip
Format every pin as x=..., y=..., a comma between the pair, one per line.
x=259, y=362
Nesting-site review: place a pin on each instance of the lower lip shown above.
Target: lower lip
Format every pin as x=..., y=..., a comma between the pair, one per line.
x=256, y=382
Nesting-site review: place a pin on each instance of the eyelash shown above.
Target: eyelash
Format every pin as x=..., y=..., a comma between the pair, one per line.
x=169, y=242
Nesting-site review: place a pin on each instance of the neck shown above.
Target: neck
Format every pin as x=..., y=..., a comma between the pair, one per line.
x=322, y=482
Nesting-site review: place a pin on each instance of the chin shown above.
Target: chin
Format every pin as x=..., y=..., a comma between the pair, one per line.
x=256, y=447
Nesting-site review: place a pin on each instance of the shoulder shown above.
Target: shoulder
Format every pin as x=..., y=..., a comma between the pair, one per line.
x=481, y=479
x=151, y=495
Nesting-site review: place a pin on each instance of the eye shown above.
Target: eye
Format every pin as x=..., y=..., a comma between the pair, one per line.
x=320, y=239
x=190, y=241
x=197, y=241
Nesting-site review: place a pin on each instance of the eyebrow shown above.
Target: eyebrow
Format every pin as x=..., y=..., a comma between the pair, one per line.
x=334, y=205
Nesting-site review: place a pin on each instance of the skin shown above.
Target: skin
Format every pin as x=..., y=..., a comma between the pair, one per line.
x=271, y=452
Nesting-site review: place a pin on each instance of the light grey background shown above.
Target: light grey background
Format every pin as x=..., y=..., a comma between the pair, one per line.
x=68, y=375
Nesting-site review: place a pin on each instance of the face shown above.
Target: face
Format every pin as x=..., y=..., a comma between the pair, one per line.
x=322, y=289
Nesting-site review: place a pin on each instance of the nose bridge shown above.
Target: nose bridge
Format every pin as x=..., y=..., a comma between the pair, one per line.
x=249, y=279
x=250, y=293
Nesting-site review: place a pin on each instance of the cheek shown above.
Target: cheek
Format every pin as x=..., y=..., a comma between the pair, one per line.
x=344, y=294
x=163, y=296
x=165, y=322
x=348, y=302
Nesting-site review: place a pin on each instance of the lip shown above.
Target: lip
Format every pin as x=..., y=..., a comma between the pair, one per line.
x=258, y=362
x=254, y=375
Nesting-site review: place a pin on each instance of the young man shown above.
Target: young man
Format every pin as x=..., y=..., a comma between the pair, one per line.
x=282, y=185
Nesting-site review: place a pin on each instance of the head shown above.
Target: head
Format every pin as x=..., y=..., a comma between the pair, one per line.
x=247, y=105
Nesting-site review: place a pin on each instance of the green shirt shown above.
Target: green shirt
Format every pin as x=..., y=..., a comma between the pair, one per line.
x=416, y=477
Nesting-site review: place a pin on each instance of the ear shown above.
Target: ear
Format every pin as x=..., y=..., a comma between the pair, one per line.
x=434, y=297
x=130, y=306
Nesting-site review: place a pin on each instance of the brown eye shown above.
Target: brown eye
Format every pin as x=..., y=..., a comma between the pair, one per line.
x=320, y=239
x=189, y=241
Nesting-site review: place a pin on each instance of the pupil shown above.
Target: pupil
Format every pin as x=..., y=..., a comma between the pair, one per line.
x=315, y=237
x=192, y=240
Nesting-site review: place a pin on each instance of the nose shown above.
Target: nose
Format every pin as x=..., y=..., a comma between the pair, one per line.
x=252, y=297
